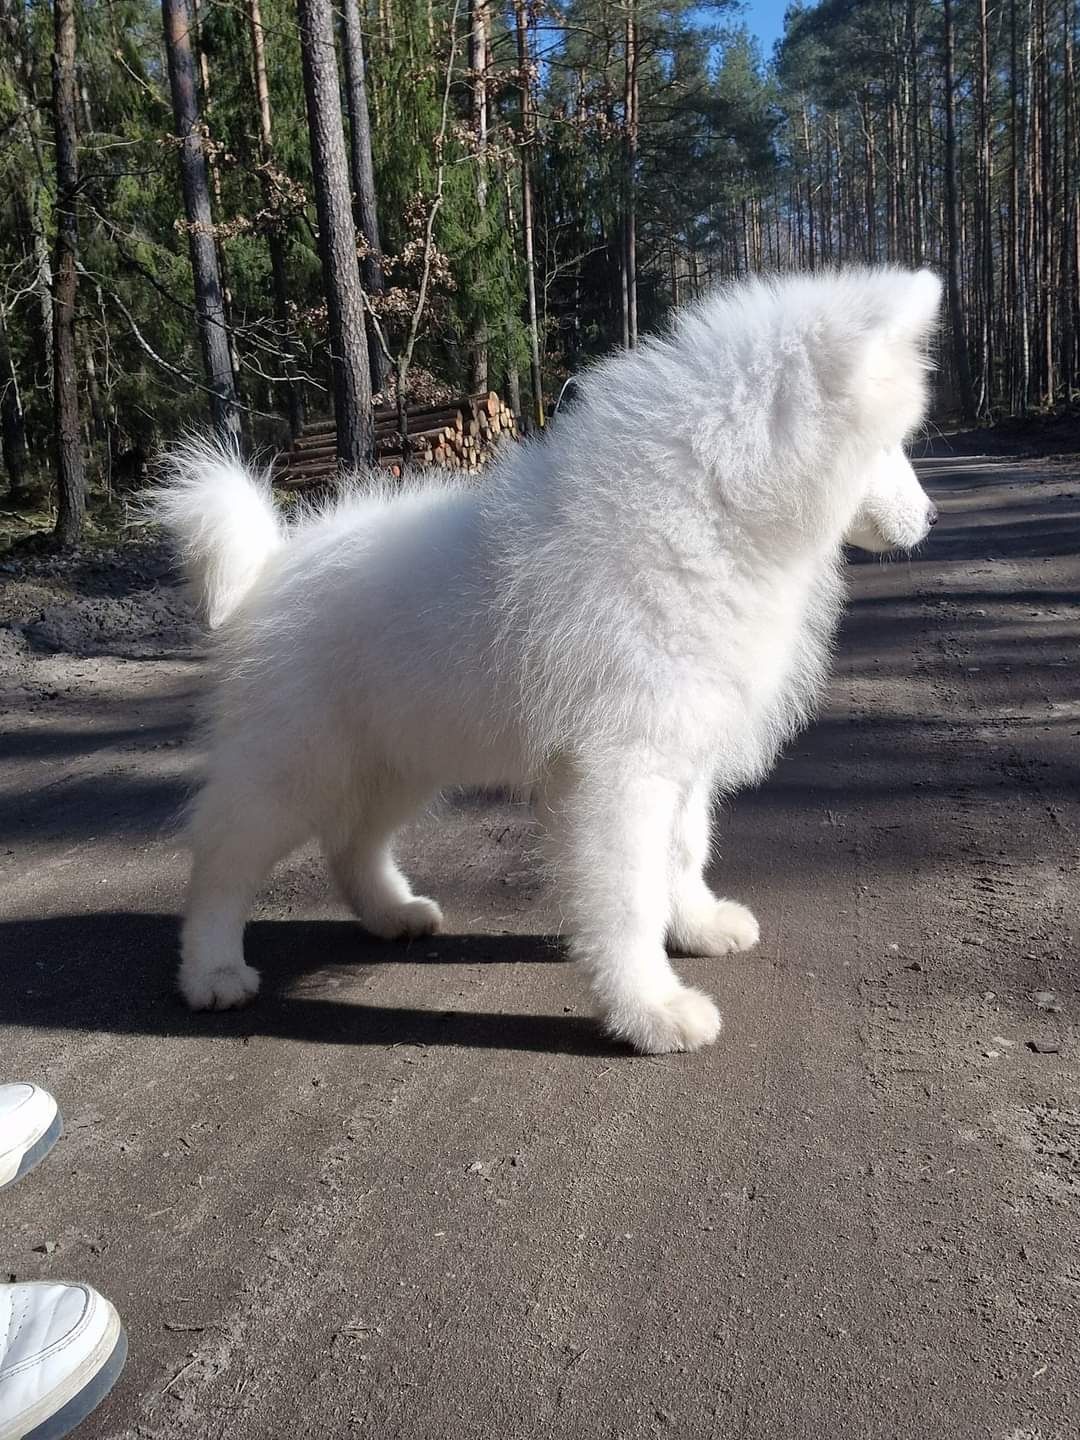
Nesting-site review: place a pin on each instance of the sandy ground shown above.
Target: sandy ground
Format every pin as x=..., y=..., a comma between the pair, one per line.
x=413, y=1194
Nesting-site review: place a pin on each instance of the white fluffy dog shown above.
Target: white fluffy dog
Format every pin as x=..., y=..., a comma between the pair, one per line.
x=628, y=616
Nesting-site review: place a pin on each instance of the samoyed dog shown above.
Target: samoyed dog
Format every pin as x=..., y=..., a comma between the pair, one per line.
x=627, y=617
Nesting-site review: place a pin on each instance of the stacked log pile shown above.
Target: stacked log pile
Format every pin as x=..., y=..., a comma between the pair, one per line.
x=460, y=434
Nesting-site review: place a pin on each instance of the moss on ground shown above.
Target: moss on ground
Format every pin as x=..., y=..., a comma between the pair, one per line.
x=28, y=526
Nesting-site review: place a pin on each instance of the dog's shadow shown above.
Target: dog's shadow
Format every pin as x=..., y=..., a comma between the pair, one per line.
x=113, y=972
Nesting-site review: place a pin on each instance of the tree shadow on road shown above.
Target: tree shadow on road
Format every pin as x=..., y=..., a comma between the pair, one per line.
x=113, y=972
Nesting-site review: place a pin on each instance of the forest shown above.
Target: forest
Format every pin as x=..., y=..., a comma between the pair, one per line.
x=262, y=214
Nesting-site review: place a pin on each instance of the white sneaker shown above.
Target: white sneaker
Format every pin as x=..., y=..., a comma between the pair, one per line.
x=30, y=1126
x=61, y=1349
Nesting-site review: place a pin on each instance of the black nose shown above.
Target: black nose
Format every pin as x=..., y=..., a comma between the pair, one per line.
x=932, y=518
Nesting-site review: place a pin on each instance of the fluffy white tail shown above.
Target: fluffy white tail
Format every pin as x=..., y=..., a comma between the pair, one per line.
x=223, y=520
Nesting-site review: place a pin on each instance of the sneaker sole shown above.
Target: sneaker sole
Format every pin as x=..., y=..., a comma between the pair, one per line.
x=38, y=1150
x=89, y=1397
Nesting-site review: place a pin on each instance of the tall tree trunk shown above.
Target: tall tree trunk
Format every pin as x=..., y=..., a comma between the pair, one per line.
x=917, y=222
x=35, y=198
x=12, y=420
x=13, y=20
x=902, y=232
x=841, y=245
x=1070, y=272
x=513, y=375
x=362, y=167
x=965, y=393
x=1044, y=160
x=894, y=167
x=209, y=301
x=985, y=230
x=217, y=206
x=624, y=285
x=1027, y=218
x=478, y=57
x=809, y=169
x=630, y=179
x=337, y=235
x=513, y=385
x=294, y=395
x=870, y=163
x=98, y=426
x=1016, y=288
x=70, y=466
x=521, y=23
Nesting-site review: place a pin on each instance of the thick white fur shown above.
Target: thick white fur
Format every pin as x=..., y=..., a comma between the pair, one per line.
x=630, y=616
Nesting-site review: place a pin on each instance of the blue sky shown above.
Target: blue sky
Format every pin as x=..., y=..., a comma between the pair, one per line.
x=765, y=19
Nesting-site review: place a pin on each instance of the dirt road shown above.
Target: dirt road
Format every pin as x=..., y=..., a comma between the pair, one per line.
x=412, y=1194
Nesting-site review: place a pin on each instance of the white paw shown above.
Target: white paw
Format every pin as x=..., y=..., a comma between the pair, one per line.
x=686, y=1020
x=221, y=989
x=406, y=922
x=725, y=926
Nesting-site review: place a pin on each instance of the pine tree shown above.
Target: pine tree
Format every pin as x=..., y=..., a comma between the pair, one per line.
x=337, y=237
x=70, y=465
x=209, y=299
x=362, y=170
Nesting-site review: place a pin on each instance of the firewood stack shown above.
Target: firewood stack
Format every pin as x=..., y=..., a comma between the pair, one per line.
x=459, y=434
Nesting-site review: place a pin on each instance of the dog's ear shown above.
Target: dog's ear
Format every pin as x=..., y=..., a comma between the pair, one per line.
x=905, y=304
x=895, y=311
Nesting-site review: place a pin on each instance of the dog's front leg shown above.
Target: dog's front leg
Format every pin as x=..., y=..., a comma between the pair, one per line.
x=612, y=825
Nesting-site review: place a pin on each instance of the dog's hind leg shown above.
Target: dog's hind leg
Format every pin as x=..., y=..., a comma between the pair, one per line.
x=358, y=851
x=700, y=923
x=237, y=834
x=611, y=827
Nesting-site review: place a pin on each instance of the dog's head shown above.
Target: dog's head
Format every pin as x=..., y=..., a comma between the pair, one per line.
x=895, y=512
x=800, y=392
x=886, y=380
